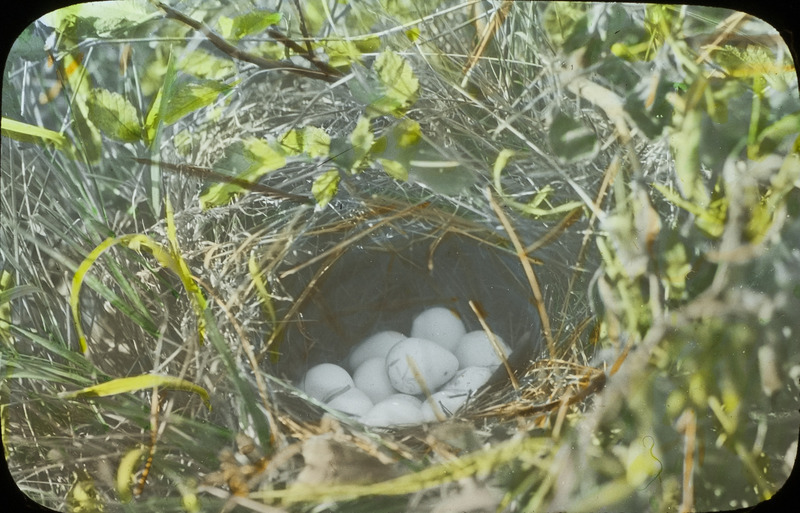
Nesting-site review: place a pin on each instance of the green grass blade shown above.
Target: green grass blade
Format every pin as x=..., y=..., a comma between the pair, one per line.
x=136, y=383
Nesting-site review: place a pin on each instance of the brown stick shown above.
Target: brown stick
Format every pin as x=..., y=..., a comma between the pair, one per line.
x=526, y=266
x=687, y=424
x=204, y=172
x=328, y=74
x=495, y=345
x=498, y=17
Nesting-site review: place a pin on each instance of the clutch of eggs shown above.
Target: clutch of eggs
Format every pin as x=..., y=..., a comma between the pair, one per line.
x=395, y=380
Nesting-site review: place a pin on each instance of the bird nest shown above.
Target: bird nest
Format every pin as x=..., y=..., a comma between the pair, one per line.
x=337, y=276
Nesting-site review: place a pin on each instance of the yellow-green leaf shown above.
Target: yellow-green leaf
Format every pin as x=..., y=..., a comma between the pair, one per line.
x=261, y=289
x=114, y=115
x=532, y=207
x=105, y=17
x=33, y=134
x=710, y=219
x=500, y=163
x=400, y=85
x=83, y=496
x=202, y=64
x=394, y=169
x=312, y=141
x=191, y=96
x=341, y=53
x=136, y=383
x=250, y=160
x=361, y=140
x=325, y=187
x=126, y=472
x=182, y=269
x=408, y=133
x=246, y=24
x=136, y=242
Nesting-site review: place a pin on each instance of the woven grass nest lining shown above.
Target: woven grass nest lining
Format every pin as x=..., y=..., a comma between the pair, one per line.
x=345, y=277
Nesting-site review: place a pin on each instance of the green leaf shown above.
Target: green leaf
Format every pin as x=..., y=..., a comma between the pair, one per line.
x=181, y=268
x=261, y=289
x=394, y=169
x=126, y=473
x=114, y=115
x=571, y=140
x=33, y=134
x=399, y=85
x=136, y=242
x=341, y=53
x=88, y=142
x=441, y=175
x=246, y=24
x=361, y=140
x=407, y=133
x=325, y=187
x=774, y=134
x=710, y=219
x=136, y=383
x=153, y=125
x=249, y=160
x=158, y=109
x=532, y=207
x=677, y=269
x=312, y=141
x=104, y=18
x=190, y=96
x=565, y=24
x=202, y=64
x=685, y=142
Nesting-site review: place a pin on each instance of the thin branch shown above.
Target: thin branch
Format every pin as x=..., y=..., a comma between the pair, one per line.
x=326, y=73
x=309, y=56
x=206, y=173
x=303, y=28
x=526, y=266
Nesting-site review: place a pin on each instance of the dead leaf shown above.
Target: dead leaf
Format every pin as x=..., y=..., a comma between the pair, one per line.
x=329, y=461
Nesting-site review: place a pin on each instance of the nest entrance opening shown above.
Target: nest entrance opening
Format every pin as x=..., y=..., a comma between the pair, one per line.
x=382, y=281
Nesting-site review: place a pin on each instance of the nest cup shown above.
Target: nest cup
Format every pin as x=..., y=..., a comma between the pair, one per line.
x=386, y=278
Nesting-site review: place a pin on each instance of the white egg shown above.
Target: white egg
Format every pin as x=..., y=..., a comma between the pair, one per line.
x=352, y=401
x=405, y=398
x=447, y=402
x=393, y=411
x=476, y=350
x=469, y=379
x=435, y=365
x=376, y=345
x=322, y=381
x=440, y=325
x=372, y=379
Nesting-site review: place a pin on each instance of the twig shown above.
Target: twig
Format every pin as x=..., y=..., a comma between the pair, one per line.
x=608, y=178
x=553, y=234
x=498, y=17
x=687, y=424
x=425, y=390
x=307, y=55
x=303, y=28
x=204, y=172
x=526, y=266
x=155, y=407
x=495, y=344
x=328, y=74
